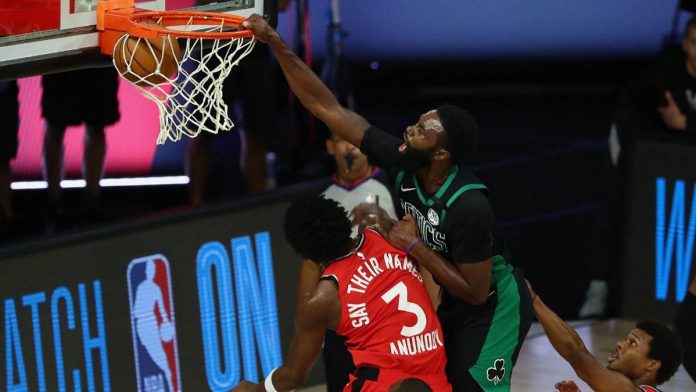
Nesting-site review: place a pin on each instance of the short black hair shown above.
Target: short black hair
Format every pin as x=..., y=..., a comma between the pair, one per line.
x=318, y=229
x=665, y=347
x=411, y=385
x=461, y=133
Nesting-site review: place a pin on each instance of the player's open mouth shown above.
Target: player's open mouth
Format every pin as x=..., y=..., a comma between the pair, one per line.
x=404, y=146
x=614, y=356
x=350, y=158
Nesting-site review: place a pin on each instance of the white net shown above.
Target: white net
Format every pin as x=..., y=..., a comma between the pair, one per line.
x=186, y=88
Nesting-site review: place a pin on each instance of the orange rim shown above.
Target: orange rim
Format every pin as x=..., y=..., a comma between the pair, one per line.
x=118, y=17
x=139, y=24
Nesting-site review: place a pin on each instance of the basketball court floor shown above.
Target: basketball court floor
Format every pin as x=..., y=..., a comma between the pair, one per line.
x=539, y=366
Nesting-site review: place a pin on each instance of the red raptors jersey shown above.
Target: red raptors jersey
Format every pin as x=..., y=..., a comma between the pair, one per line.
x=386, y=313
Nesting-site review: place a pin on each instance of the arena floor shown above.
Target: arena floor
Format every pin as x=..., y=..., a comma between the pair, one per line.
x=539, y=367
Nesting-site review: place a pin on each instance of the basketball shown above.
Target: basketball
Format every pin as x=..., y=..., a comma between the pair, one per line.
x=137, y=59
x=166, y=331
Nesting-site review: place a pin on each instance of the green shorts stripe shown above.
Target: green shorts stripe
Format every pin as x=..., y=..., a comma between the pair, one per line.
x=493, y=369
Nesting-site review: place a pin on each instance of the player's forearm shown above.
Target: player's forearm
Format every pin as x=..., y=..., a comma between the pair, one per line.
x=286, y=379
x=431, y=287
x=563, y=338
x=315, y=96
x=449, y=277
x=304, y=351
x=306, y=85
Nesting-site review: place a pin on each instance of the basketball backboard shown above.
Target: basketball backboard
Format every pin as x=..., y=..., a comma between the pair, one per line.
x=44, y=36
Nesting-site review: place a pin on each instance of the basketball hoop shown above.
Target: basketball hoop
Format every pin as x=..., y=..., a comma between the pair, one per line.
x=190, y=54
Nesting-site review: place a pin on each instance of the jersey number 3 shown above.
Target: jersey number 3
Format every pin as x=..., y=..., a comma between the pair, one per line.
x=401, y=291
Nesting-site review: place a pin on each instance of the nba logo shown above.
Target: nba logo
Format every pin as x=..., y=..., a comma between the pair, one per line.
x=153, y=325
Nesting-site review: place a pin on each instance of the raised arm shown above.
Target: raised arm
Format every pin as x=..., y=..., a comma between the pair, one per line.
x=311, y=91
x=570, y=346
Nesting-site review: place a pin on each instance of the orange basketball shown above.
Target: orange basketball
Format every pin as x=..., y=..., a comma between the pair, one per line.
x=144, y=59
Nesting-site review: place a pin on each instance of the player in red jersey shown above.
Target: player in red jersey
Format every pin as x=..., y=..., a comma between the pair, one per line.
x=371, y=293
x=647, y=357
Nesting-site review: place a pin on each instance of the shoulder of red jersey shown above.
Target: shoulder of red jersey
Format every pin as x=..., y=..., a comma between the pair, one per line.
x=372, y=233
x=332, y=267
x=648, y=388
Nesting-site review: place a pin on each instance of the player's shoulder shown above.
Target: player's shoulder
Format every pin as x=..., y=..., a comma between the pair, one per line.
x=470, y=200
x=380, y=175
x=369, y=236
x=375, y=243
x=339, y=265
x=321, y=305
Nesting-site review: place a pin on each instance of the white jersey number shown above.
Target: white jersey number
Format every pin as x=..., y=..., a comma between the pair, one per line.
x=401, y=291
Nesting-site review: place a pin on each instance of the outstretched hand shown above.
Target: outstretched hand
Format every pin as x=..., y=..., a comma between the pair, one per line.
x=404, y=232
x=567, y=386
x=260, y=27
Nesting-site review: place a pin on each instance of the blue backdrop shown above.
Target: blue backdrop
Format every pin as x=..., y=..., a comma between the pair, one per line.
x=489, y=29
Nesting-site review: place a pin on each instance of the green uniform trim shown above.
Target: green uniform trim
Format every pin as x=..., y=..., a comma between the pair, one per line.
x=503, y=332
x=458, y=193
x=399, y=179
x=430, y=201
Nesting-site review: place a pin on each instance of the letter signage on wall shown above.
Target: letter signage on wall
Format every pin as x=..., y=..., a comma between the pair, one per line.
x=195, y=302
x=659, y=228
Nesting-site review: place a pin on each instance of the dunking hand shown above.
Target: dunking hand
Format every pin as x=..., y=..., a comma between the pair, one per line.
x=262, y=30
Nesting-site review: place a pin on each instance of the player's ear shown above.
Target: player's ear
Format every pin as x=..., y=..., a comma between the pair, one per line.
x=653, y=365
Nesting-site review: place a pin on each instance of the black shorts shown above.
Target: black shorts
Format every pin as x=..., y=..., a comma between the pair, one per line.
x=250, y=84
x=338, y=363
x=250, y=88
x=482, y=348
x=9, y=120
x=84, y=96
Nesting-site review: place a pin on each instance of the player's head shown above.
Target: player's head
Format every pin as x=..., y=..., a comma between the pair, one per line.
x=447, y=133
x=651, y=351
x=461, y=133
x=410, y=385
x=318, y=229
x=689, y=43
x=351, y=163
